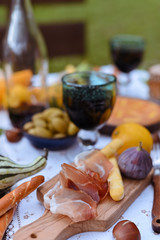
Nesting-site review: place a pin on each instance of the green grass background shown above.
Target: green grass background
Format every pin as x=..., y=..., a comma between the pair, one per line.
x=105, y=18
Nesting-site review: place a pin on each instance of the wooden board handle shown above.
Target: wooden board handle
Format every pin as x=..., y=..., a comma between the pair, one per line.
x=50, y=227
x=57, y=227
x=156, y=204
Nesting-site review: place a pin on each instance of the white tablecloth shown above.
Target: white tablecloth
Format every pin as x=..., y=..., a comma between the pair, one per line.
x=30, y=209
x=137, y=87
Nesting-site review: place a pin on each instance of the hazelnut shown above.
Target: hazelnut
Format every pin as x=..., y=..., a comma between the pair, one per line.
x=126, y=230
x=14, y=135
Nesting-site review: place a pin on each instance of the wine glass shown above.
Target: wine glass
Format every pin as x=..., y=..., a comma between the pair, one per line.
x=89, y=98
x=127, y=53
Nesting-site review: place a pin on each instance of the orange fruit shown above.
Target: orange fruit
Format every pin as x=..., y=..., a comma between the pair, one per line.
x=2, y=90
x=131, y=134
x=19, y=94
x=22, y=77
x=39, y=94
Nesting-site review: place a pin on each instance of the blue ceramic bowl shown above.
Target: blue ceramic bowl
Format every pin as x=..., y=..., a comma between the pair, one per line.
x=51, y=143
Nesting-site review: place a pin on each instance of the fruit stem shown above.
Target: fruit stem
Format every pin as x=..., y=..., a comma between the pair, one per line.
x=46, y=153
x=140, y=146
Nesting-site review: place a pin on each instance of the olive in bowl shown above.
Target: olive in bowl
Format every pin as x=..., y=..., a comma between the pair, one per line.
x=51, y=128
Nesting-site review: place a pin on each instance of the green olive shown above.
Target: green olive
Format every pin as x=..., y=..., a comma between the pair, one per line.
x=59, y=135
x=51, y=128
x=39, y=123
x=40, y=132
x=37, y=116
x=52, y=122
x=59, y=125
x=49, y=111
x=32, y=131
x=72, y=129
x=66, y=118
x=58, y=113
x=28, y=126
x=52, y=112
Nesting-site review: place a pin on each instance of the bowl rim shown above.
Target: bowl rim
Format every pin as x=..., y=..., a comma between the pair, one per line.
x=47, y=138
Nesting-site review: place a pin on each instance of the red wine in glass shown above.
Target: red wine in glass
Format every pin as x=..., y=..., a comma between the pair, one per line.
x=127, y=52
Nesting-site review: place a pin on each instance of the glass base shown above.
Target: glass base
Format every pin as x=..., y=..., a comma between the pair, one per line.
x=87, y=138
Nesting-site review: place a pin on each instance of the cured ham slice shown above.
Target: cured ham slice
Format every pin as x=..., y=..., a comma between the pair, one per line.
x=103, y=187
x=80, y=187
x=50, y=193
x=67, y=183
x=77, y=205
x=96, y=162
x=78, y=179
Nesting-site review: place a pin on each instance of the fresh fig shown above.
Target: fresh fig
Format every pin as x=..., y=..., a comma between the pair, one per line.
x=135, y=162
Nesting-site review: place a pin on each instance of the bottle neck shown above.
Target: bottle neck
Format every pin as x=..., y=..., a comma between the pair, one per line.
x=22, y=5
x=23, y=37
x=25, y=8
x=22, y=13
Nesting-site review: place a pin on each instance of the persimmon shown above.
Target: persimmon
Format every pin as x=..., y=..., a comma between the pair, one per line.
x=131, y=134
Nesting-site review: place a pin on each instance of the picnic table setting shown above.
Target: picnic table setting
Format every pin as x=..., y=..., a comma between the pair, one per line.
x=80, y=148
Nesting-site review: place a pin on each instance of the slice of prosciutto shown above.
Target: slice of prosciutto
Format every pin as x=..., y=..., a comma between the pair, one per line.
x=103, y=187
x=77, y=205
x=48, y=196
x=80, y=187
x=94, y=161
x=74, y=178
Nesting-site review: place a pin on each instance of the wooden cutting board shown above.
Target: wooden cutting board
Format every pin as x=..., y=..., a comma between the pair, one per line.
x=58, y=227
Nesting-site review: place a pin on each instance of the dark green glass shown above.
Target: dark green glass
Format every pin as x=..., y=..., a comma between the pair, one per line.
x=89, y=97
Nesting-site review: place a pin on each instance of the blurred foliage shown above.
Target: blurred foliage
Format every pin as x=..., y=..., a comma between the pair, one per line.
x=104, y=19
x=3, y=15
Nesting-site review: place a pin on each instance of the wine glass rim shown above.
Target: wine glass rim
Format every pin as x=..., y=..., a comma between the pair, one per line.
x=109, y=77
x=128, y=41
x=127, y=37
